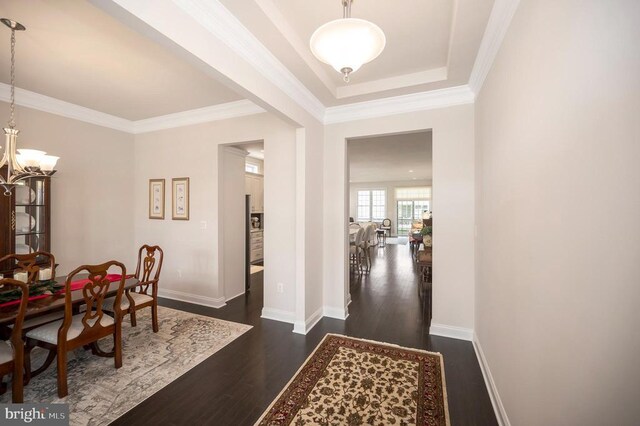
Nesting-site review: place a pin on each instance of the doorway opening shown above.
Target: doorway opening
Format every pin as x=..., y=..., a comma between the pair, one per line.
x=242, y=218
x=390, y=193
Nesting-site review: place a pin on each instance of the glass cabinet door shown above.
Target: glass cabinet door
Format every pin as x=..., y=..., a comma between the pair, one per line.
x=25, y=221
x=31, y=216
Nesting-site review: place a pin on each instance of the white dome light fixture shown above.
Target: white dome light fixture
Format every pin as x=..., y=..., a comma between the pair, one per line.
x=348, y=43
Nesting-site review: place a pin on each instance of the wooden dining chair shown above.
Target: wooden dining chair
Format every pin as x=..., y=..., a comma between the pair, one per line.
x=12, y=354
x=32, y=264
x=386, y=226
x=84, y=329
x=145, y=293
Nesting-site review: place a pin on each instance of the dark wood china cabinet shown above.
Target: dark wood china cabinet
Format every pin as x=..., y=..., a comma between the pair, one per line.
x=25, y=220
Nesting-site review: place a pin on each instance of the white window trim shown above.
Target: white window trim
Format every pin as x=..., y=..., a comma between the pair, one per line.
x=370, y=191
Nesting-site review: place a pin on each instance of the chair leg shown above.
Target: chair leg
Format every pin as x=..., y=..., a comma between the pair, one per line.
x=62, y=372
x=132, y=314
x=29, y=374
x=17, y=384
x=154, y=316
x=117, y=345
x=28, y=347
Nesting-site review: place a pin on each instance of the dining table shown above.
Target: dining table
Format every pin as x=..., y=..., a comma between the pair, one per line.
x=55, y=302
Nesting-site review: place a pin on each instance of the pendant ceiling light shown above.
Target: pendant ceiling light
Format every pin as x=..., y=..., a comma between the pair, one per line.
x=348, y=43
x=28, y=162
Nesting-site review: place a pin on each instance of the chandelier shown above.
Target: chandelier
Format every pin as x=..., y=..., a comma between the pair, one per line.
x=348, y=43
x=26, y=163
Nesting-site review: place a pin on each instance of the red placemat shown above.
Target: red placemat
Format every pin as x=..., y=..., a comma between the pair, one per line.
x=75, y=285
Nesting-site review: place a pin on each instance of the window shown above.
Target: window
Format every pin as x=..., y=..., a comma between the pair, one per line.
x=417, y=193
x=412, y=202
x=251, y=168
x=408, y=212
x=371, y=205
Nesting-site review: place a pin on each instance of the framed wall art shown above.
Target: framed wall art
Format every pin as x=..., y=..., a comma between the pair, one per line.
x=180, y=199
x=156, y=198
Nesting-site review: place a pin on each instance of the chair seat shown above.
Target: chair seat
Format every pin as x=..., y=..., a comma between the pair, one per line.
x=6, y=352
x=49, y=332
x=41, y=320
x=138, y=299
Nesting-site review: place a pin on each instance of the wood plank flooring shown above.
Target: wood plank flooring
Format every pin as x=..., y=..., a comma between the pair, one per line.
x=235, y=385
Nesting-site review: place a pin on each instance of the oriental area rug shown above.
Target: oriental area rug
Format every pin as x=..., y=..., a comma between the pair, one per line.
x=348, y=381
x=99, y=393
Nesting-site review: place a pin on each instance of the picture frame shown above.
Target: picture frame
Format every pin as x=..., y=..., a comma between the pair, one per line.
x=180, y=198
x=156, y=199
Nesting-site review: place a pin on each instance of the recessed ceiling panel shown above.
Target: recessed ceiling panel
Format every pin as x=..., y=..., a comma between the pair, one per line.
x=75, y=52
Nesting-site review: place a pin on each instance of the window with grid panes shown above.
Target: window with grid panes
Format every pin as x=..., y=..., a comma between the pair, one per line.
x=371, y=205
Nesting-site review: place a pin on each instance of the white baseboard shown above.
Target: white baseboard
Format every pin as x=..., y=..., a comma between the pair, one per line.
x=337, y=313
x=501, y=414
x=451, y=331
x=233, y=297
x=306, y=326
x=192, y=298
x=278, y=315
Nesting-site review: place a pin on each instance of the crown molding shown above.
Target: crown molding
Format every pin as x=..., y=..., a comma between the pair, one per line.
x=390, y=83
x=55, y=106
x=301, y=47
x=220, y=22
x=499, y=21
x=357, y=111
x=197, y=116
x=237, y=152
x=400, y=104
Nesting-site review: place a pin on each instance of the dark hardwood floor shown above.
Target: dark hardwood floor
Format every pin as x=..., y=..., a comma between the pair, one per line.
x=235, y=385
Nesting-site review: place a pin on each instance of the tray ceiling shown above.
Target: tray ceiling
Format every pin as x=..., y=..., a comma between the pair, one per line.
x=75, y=52
x=431, y=44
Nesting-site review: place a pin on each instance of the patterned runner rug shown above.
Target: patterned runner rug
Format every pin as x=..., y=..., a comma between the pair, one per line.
x=99, y=393
x=348, y=381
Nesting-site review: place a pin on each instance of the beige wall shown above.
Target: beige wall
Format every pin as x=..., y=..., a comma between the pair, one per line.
x=193, y=249
x=453, y=188
x=558, y=248
x=92, y=191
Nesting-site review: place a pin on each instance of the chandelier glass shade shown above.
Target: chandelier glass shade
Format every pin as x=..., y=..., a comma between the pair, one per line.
x=348, y=43
x=26, y=163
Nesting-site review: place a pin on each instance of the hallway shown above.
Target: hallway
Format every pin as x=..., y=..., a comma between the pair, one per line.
x=237, y=383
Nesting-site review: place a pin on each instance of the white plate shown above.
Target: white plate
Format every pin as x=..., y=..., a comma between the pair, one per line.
x=24, y=222
x=25, y=195
x=23, y=249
